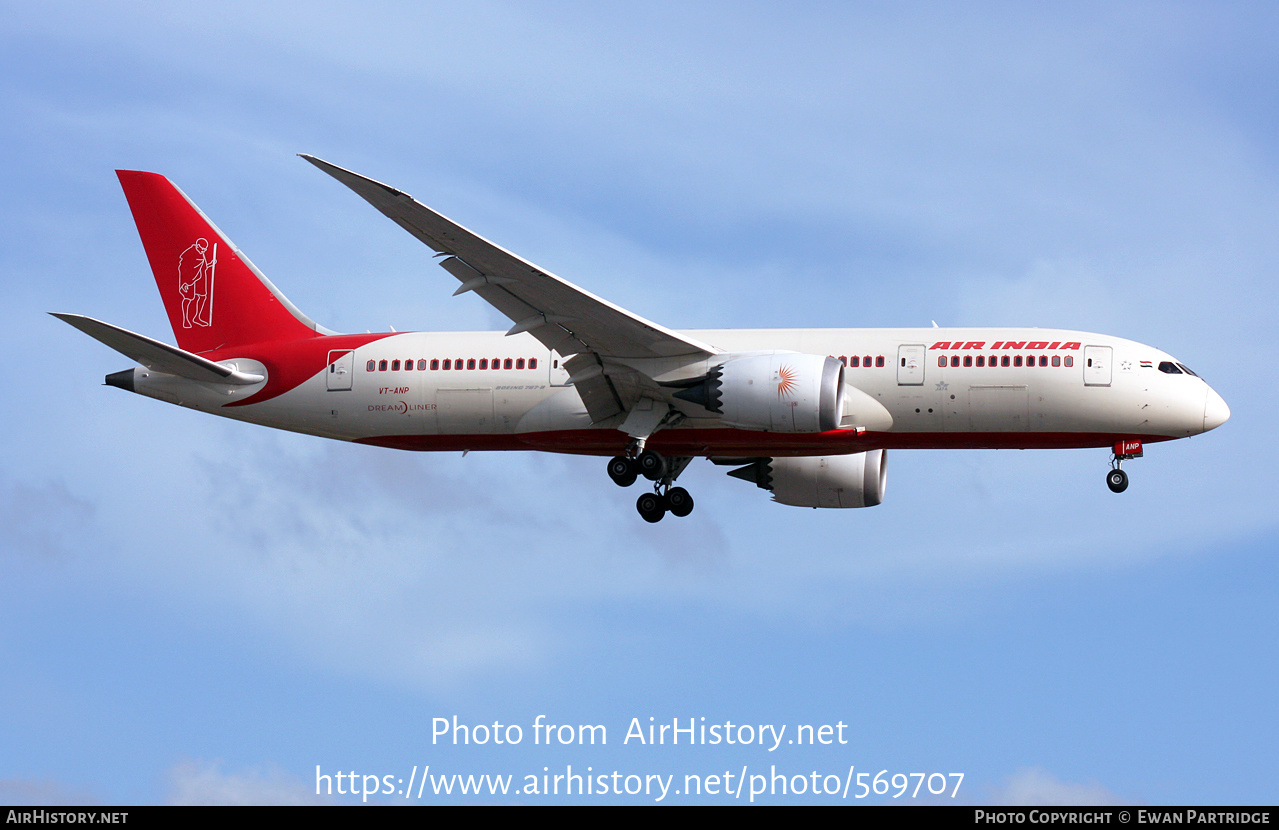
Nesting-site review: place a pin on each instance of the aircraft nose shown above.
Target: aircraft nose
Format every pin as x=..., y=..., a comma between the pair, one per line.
x=1216, y=412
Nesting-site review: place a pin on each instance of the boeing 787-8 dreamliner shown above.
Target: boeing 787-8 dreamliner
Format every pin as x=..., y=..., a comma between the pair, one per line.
x=807, y=414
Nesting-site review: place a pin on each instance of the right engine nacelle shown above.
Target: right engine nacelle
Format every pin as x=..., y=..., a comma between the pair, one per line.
x=855, y=480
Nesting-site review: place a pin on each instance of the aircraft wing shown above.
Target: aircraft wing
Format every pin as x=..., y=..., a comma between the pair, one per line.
x=562, y=316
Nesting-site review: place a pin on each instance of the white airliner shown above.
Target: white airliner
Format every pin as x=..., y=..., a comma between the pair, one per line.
x=807, y=414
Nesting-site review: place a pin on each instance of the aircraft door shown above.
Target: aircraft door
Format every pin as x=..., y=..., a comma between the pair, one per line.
x=465, y=411
x=1097, y=365
x=910, y=364
x=557, y=375
x=341, y=370
x=998, y=408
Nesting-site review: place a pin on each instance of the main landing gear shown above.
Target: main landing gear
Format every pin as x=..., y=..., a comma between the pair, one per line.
x=626, y=469
x=1117, y=479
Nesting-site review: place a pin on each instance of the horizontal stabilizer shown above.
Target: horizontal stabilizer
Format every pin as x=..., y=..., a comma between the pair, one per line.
x=157, y=356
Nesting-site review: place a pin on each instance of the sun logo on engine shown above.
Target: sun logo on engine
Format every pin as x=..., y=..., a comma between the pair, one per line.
x=787, y=382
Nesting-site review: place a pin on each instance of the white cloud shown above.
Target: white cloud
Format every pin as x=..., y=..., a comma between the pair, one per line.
x=1036, y=786
x=203, y=783
x=21, y=791
x=25, y=508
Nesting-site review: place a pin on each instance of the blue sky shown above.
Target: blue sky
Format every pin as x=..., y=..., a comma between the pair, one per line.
x=197, y=610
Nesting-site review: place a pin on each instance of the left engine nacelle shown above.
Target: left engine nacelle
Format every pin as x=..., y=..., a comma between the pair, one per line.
x=774, y=392
x=855, y=480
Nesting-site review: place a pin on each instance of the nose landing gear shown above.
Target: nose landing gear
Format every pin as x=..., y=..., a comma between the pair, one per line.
x=1117, y=479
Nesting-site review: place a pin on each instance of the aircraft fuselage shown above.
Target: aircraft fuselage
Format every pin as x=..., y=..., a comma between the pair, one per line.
x=1059, y=389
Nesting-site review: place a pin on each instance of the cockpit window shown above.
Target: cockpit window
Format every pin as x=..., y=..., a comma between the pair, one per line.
x=1169, y=368
x=1186, y=369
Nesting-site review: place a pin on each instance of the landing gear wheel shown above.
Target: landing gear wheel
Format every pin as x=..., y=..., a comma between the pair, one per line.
x=651, y=507
x=679, y=501
x=622, y=470
x=1117, y=481
x=651, y=465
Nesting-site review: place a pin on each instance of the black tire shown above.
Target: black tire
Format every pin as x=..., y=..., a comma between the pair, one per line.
x=1117, y=481
x=622, y=470
x=651, y=507
x=679, y=502
x=651, y=465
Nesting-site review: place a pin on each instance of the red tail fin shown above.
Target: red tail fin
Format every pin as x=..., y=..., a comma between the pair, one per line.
x=215, y=297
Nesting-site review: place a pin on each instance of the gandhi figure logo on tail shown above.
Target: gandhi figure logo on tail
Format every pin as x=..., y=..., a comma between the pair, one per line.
x=195, y=283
